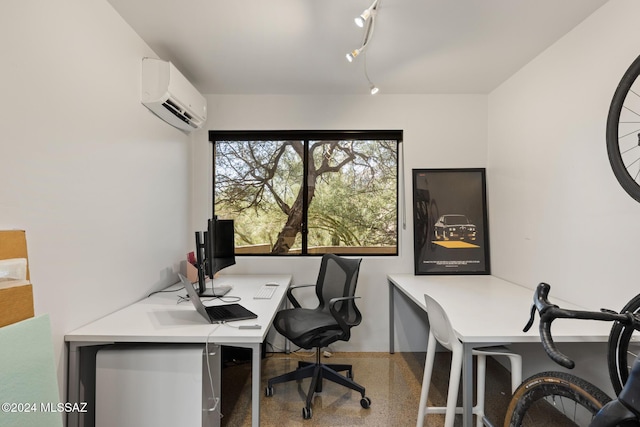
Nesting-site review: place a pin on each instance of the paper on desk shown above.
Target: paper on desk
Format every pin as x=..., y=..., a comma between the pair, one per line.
x=13, y=269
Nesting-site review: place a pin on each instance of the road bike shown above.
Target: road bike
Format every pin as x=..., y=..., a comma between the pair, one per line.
x=559, y=398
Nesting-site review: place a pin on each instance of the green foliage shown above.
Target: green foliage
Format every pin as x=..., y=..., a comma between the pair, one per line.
x=354, y=197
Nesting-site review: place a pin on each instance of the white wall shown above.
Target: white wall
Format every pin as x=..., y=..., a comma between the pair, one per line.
x=439, y=131
x=98, y=182
x=557, y=213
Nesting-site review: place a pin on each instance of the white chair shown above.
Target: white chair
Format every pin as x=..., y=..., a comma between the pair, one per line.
x=440, y=330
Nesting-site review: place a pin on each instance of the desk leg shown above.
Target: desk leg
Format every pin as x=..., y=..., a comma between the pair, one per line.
x=391, y=318
x=81, y=379
x=256, y=361
x=467, y=385
x=73, y=382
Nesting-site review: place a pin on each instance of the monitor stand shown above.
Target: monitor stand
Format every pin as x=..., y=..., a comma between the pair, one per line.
x=216, y=290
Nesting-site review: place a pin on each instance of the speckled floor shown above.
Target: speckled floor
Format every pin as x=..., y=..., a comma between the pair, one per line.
x=392, y=382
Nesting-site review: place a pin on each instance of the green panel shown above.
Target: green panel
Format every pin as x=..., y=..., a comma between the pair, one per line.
x=28, y=383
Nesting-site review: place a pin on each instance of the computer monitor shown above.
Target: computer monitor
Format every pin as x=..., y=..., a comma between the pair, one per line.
x=216, y=252
x=220, y=245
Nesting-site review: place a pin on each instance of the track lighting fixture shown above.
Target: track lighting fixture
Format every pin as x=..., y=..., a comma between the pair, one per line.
x=367, y=17
x=366, y=20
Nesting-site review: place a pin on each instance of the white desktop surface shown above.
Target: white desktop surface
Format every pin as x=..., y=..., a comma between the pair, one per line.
x=160, y=319
x=486, y=310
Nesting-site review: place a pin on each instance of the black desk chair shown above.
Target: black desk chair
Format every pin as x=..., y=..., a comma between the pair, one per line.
x=329, y=322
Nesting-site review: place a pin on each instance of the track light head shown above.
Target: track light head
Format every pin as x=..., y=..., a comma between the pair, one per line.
x=368, y=12
x=360, y=20
x=351, y=55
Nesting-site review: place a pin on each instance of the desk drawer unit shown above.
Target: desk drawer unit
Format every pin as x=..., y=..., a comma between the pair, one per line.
x=158, y=386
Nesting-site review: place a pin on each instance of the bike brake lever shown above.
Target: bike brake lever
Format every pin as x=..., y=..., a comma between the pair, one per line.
x=531, y=318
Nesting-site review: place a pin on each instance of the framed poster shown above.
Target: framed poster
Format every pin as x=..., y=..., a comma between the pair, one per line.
x=450, y=225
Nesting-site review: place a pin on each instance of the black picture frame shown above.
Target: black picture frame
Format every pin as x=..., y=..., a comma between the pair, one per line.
x=451, y=228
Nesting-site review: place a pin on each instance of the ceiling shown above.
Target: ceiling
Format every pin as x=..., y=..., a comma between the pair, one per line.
x=299, y=46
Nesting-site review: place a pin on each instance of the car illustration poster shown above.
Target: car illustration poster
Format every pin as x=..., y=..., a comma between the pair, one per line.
x=450, y=223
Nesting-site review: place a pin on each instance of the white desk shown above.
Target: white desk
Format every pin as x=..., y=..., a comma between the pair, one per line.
x=486, y=310
x=159, y=319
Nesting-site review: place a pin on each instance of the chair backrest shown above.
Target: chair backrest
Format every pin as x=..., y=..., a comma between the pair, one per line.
x=440, y=326
x=338, y=277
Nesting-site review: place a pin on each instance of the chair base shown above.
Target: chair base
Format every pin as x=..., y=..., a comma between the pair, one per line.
x=318, y=372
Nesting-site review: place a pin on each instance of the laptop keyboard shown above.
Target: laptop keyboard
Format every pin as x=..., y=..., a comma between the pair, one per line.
x=229, y=312
x=219, y=312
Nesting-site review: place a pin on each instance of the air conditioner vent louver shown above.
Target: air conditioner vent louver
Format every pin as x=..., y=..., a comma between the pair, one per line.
x=182, y=115
x=169, y=95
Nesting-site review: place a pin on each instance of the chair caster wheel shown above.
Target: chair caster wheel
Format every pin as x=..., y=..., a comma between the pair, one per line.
x=306, y=413
x=268, y=391
x=365, y=402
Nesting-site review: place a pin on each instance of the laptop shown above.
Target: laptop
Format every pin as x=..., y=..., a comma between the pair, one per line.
x=216, y=313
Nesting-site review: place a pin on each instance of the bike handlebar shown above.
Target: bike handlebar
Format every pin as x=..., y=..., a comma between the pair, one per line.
x=549, y=312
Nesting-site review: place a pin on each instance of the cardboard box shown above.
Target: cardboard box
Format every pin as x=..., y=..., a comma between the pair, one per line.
x=16, y=302
x=16, y=296
x=192, y=272
x=13, y=244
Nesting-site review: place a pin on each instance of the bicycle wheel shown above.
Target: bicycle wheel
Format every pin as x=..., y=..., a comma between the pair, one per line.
x=623, y=131
x=623, y=347
x=554, y=398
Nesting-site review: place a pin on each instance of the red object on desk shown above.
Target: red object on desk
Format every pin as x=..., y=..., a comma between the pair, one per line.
x=191, y=257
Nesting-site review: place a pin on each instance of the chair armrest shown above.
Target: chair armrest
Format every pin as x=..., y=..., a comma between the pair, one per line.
x=293, y=299
x=343, y=325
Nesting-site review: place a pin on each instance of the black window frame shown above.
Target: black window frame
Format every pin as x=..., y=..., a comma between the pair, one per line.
x=306, y=136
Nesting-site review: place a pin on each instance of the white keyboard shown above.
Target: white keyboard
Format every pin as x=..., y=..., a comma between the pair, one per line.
x=265, y=292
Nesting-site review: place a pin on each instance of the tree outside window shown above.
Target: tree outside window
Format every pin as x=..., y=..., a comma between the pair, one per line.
x=297, y=192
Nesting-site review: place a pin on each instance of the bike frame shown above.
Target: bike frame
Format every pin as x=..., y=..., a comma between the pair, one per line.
x=626, y=407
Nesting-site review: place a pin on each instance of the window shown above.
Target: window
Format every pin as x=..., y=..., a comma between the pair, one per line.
x=308, y=192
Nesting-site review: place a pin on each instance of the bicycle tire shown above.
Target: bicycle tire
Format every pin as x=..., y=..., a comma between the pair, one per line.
x=529, y=405
x=622, y=132
x=620, y=354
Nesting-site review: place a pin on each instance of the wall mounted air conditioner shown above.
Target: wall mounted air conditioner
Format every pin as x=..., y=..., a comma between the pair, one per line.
x=169, y=95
